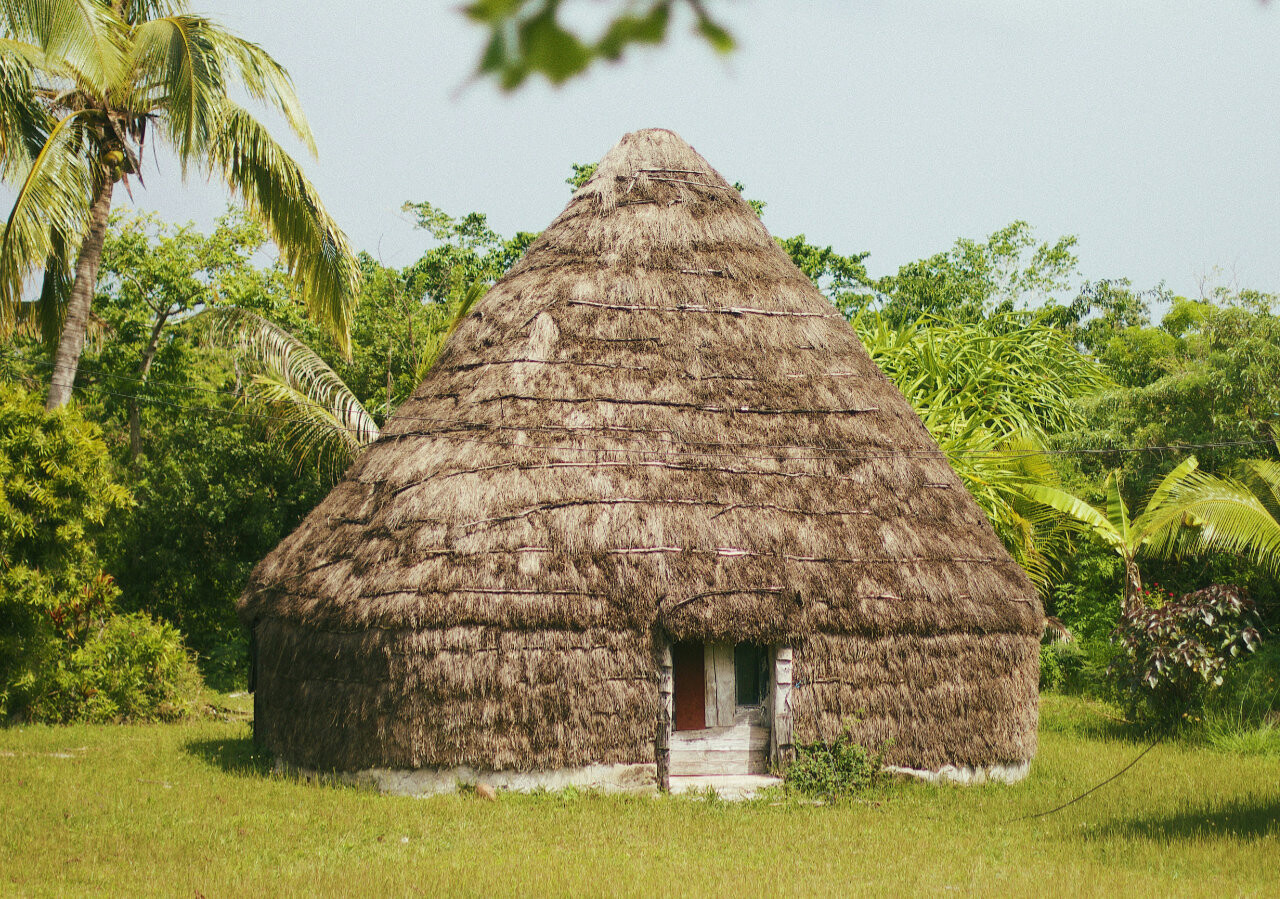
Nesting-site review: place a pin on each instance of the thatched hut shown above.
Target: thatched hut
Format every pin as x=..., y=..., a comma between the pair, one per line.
x=653, y=511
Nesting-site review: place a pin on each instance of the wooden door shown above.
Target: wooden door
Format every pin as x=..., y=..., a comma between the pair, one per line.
x=688, y=671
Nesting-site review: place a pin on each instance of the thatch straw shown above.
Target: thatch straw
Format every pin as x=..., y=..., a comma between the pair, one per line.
x=654, y=427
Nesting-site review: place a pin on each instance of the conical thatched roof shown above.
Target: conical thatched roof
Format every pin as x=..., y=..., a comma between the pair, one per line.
x=653, y=423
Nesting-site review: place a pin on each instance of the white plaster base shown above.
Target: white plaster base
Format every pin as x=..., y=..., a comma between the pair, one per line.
x=1004, y=774
x=433, y=781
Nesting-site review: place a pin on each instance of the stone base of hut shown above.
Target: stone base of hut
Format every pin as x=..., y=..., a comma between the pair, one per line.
x=1001, y=774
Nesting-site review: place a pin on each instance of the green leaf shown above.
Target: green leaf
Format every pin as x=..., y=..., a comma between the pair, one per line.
x=629, y=29
x=53, y=201
x=1117, y=511
x=307, y=407
x=549, y=48
x=720, y=39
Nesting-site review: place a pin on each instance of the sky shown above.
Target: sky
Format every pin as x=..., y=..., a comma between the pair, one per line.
x=1150, y=130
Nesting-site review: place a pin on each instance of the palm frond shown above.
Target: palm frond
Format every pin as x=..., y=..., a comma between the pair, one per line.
x=1077, y=511
x=310, y=409
x=135, y=12
x=1218, y=514
x=305, y=431
x=84, y=37
x=1162, y=525
x=54, y=199
x=55, y=289
x=1117, y=509
x=24, y=123
x=997, y=474
x=182, y=65
x=1169, y=484
x=33, y=324
x=275, y=190
x=438, y=336
x=1262, y=477
x=176, y=68
x=265, y=79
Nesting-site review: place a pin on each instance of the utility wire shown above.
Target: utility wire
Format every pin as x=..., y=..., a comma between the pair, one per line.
x=1092, y=789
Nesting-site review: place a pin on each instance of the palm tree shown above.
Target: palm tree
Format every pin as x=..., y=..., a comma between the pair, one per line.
x=1238, y=513
x=83, y=83
x=1165, y=515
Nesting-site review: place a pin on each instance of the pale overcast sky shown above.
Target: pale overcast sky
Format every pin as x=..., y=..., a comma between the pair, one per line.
x=1148, y=129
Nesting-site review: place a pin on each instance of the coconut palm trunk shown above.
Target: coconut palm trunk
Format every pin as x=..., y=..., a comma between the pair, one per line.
x=70, y=344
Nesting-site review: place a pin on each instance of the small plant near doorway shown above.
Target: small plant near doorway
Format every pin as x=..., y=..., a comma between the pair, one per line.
x=835, y=768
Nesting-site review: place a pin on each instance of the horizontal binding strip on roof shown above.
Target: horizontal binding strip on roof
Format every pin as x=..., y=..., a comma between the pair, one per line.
x=606, y=597
x=665, y=404
x=723, y=552
x=775, y=591
x=734, y=552
x=834, y=454
x=711, y=310
x=654, y=171
x=457, y=424
x=633, y=501
x=647, y=369
x=648, y=463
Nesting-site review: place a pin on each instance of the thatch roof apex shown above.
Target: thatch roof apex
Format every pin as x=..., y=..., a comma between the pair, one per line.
x=648, y=154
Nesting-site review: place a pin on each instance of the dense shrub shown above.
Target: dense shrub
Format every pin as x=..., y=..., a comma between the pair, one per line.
x=1087, y=600
x=56, y=491
x=1173, y=652
x=833, y=768
x=130, y=668
x=64, y=654
x=1078, y=667
x=1061, y=665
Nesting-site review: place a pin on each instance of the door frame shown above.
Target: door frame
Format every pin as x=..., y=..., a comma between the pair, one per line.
x=776, y=706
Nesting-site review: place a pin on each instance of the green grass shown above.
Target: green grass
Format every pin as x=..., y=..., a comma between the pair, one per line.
x=190, y=810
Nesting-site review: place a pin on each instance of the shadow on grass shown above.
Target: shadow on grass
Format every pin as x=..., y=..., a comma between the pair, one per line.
x=1250, y=819
x=1092, y=719
x=235, y=756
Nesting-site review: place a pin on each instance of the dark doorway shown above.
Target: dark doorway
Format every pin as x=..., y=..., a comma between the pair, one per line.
x=688, y=671
x=750, y=662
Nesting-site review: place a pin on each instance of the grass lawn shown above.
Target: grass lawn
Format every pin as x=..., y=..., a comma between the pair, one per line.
x=189, y=810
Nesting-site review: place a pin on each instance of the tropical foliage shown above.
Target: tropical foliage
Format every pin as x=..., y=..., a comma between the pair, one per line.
x=992, y=392
x=1159, y=526
x=86, y=84
x=65, y=654
x=1008, y=271
x=306, y=407
x=1235, y=514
